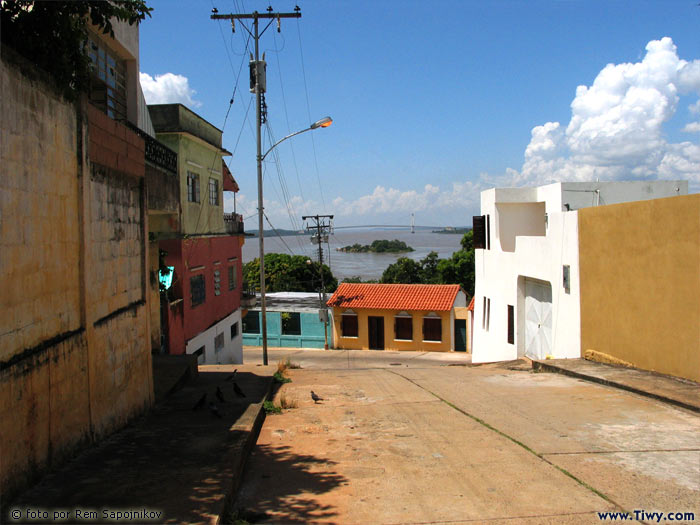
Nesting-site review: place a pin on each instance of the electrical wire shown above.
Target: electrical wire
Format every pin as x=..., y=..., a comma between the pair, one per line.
x=308, y=110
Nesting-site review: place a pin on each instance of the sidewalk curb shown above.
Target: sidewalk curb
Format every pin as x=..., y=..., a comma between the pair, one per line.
x=538, y=366
x=244, y=436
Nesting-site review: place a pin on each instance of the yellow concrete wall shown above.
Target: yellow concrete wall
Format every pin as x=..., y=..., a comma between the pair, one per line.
x=640, y=283
x=74, y=340
x=362, y=341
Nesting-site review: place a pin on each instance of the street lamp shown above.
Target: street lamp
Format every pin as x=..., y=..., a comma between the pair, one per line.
x=322, y=123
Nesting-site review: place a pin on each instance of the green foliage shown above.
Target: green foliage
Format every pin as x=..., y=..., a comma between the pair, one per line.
x=458, y=269
x=403, y=271
x=379, y=246
x=289, y=273
x=53, y=34
x=280, y=378
x=271, y=408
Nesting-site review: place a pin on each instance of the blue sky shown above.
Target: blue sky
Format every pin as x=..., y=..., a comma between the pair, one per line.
x=435, y=101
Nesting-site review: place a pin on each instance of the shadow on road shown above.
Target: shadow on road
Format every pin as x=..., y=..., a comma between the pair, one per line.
x=279, y=487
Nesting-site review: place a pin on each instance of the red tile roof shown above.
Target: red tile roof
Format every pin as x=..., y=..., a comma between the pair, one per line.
x=471, y=305
x=431, y=297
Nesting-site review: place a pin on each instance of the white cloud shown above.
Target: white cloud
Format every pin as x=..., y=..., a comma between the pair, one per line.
x=394, y=202
x=692, y=127
x=616, y=126
x=168, y=89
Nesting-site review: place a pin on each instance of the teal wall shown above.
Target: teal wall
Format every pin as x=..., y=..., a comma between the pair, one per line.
x=311, y=332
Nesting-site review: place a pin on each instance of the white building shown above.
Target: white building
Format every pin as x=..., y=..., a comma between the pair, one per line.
x=527, y=294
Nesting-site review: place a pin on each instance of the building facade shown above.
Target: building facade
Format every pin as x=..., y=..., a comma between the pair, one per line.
x=293, y=321
x=201, y=309
x=529, y=295
x=417, y=317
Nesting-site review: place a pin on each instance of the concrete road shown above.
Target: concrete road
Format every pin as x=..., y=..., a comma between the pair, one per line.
x=414, y=440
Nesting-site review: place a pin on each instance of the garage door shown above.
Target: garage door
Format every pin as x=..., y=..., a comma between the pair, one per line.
x=538, y=319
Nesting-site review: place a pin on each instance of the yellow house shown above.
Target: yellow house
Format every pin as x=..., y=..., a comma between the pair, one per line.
x=399, y=317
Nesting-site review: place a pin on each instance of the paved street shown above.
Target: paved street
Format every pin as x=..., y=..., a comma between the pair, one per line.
x=412, y=438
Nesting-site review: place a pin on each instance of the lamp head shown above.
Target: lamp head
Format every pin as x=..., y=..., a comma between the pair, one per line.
x=323, y=123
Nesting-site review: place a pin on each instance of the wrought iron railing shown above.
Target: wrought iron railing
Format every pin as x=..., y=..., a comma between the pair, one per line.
x=156, y=152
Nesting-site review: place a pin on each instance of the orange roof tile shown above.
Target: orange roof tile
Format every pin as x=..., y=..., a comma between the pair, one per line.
x=471, y=305
x=430, y=297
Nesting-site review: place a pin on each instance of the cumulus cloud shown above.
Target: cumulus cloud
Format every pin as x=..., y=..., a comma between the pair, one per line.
x=616, y=126
x=395, y=202
x=168, y=88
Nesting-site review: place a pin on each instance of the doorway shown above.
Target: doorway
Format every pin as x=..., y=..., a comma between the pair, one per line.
x=538, y=318
x=460, y=335
x=376, y=333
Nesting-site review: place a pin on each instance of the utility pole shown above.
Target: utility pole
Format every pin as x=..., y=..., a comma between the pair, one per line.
x=322, y=225
x=257, y=80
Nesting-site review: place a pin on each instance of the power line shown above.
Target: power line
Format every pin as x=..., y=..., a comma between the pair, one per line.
x=308, y=110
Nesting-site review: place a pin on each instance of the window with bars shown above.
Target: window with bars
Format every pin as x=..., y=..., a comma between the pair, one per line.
x=192, y=187
x=251, y=323
x=213, y=191
x=348, y=325
x=197, y=290
x=108, y=81
x=403, y=327
x=432, y=329
x=291, y=323
x=232, y=277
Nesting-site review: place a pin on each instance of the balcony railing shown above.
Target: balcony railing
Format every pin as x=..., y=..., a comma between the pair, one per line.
x=157, y=153
x=233, y=222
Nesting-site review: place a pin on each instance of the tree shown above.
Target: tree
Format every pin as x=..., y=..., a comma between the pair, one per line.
x=458, y=269
x=403, y=271
x=289, y=273
x=54, y=34
x=429, y=269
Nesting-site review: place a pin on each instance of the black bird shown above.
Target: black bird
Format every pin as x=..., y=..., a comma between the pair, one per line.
x=238, y=390
x=214, y=10
x=315, y=397
x=232, y=376
x=199, y=404
x=215, y=410
x=220, y=395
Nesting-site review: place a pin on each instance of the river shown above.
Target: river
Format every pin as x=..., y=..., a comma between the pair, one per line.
x=365, y=265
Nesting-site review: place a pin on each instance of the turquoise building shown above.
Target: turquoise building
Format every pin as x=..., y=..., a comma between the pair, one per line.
x=292, y=321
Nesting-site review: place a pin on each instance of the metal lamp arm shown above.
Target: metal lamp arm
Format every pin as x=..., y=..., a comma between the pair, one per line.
x=262, y=158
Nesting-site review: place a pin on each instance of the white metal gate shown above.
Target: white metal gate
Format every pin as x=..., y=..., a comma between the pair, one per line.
x=538, y=319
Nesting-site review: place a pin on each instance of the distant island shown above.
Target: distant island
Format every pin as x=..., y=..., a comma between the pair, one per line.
x=379, y=246
x=453, y=229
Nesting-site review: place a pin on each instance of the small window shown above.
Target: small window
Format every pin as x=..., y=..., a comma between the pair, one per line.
x=217, y=282
x=486, y=319
x=488, y=232
x=232, y=278
x=403, y=327
x=479, y=231
x=213, y=191
x=432, y=329
x=251, y=323
x=291, y=323
x=234, y=330
x=219, y=343
x=348, y=325
x=197, y=290
x=511, y=324
x=192, y=187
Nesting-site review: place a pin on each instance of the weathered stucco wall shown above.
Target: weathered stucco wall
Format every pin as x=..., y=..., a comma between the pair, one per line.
x=640, y=283
x=74, y=347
